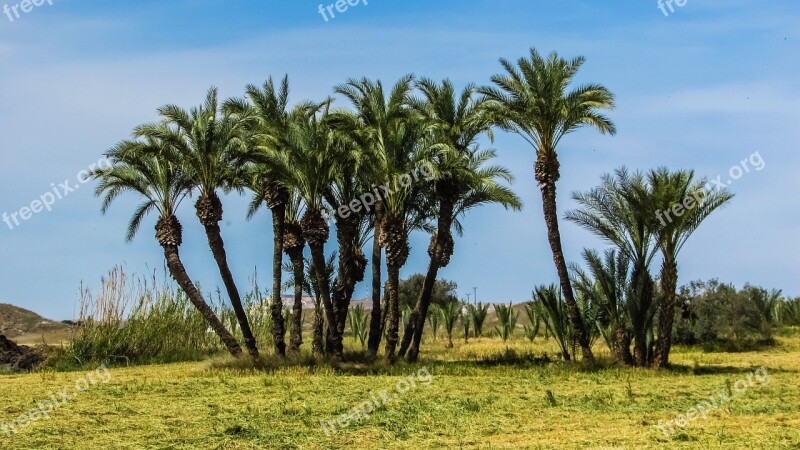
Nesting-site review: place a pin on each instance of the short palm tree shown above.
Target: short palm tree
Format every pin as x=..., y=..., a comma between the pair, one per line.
x=619, y=211
x=209, y=144
x=463, y=181
x=670, y=189
x=531, y=99
x=149, y=166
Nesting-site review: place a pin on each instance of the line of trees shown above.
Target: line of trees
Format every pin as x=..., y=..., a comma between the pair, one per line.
x=303, y=160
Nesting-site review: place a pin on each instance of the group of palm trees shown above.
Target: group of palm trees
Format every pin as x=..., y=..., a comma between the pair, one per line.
x=303, y=160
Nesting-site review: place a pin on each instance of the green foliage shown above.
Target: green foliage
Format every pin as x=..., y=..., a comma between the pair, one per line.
x=444, y=291
x=434, y=320
x=507, y=317
x=535, y=321
x=135, y=321
x=717, y=315
x=789, y=312
x=466, y=321
x=478, y=315
x=553, y=310
x=450, y=314
x=359, y=323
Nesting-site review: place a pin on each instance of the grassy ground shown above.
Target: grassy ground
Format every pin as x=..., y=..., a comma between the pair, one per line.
x=478, y=395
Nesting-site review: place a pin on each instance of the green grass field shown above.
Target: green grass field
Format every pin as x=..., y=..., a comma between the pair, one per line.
x=478, y=395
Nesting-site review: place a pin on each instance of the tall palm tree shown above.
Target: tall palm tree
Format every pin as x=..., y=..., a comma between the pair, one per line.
x=697, y=201
x=265, y=111
x=620, y=212
x=531, y=99
x=351, y=183
x=454, y=123
x=149, y=167
x=315, y=153
x=208, y=144
x=385, y=131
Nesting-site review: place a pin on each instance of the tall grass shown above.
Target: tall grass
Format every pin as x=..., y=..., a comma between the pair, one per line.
x=135, y=320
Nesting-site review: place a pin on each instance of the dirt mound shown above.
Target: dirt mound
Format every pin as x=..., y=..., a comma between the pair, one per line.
x=16, y=321
x=16, y=358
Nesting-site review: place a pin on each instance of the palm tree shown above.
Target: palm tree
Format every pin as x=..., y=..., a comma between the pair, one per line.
x=619, y=211
x=673, y=192
x=315, y=152
x=265, y=111
x=531, y=99
x=384, y=130
x=149, y=166
x=454, y=123
x=208, y=144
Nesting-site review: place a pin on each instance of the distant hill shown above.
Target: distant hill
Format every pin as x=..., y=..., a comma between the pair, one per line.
x=26, y=327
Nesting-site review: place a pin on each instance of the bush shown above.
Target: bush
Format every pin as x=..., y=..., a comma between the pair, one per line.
x=134, y=321
x=717, y=316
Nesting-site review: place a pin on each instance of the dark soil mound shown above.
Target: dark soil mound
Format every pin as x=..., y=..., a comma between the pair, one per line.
x=17, y=358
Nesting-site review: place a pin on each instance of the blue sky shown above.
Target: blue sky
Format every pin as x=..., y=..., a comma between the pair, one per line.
x=703, y=89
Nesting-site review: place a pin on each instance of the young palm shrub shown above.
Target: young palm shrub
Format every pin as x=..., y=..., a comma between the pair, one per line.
x=434, y=320
x=553, y=311
x=532, y=100
x=619, y=211
x=478, y=313
x=466, y=321
x=450, y=315
x=534, y=321
x=149, y=167
x=507, y=317
x=358, y=324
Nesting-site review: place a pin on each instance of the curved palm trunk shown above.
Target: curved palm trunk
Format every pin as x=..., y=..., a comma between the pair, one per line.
x=376, y=316
x=276, y=306
x=440, y=251
x=546, y=172
x=169, y=234
x=669, y=283
x=209, y=211
x=178, y=272
x=296, y=332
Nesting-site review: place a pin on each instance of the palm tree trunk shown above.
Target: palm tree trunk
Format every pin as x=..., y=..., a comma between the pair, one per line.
x=439, y=251
x=296, y=332
x=276, y=306
x=209, y=211
x=623, y=343
x=376, y=316
x=393, y=311
x=547, y=175
x=351, y=270
x=318, y=257
x=178, y=272
x=218, y=250
x=669, y=283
